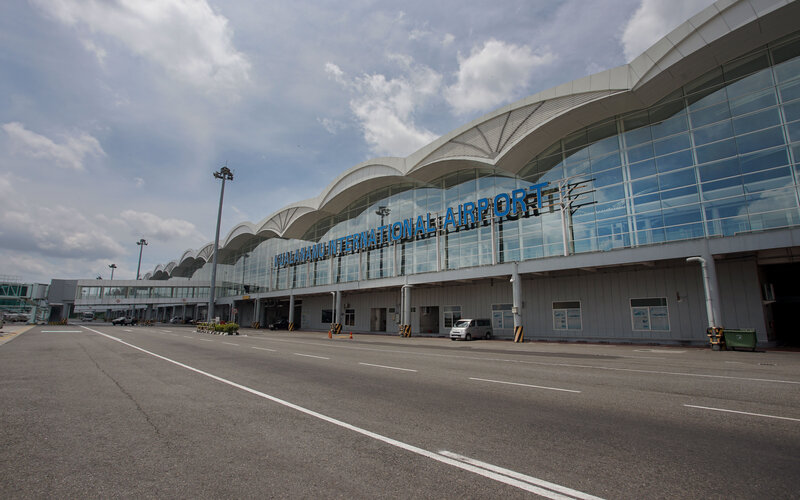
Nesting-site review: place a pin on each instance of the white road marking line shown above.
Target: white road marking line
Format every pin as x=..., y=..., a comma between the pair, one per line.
x=309, y=355
x=126, y=330
x=264, y=349
x=556, y=488
x=61, y=331
x=206, y=340
x=527, y=362
x=485, y=472
x=743, y=413
x=187, y=337
x=524, y=385
x=230, y=343
x=389, y=367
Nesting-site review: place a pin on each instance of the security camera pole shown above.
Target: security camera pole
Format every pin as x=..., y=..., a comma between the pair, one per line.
x=224, y=174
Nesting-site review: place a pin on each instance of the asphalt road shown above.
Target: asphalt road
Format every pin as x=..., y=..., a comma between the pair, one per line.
x=100, y=411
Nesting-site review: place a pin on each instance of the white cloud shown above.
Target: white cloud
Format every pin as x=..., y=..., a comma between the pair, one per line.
x=493, y=74
x=152, y=226
x=332, y=126
x=186, y=38
x=69, y=154
x=385, y=106
x=653, y=20
x=448, y=39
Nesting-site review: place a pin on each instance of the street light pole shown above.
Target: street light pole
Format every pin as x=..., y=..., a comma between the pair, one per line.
x=383, y=211
x=224, y=174
x=142, y=242
x=113, y=266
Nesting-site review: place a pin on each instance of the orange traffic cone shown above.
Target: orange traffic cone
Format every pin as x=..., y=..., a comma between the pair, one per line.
x=330, y=336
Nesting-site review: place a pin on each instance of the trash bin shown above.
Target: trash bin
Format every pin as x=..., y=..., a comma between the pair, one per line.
x=745, y=338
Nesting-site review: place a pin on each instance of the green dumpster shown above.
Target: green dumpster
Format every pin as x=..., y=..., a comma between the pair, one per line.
x=745, y=338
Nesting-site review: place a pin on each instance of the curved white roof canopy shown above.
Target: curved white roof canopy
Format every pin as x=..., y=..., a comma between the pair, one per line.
x=507, y=138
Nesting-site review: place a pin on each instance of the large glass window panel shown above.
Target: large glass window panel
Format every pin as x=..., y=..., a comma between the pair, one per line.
x=640, y=153
x=605, y=163
x=751, y=66
x=757, y=121
x=764, y=160
x=751, y=84
x=769, y=201
x=610, y=210
x=647, y=203
x=668, y=119
x=672, y=144
x=790, y=91
x=753, y=102
x=787, y=61
x=760, y=140
x=771, y=220
x=609, y=193
x=728, y=227
x=638, y=136
x=767, y=179
x=706, y=90
x=683, y=215
x=723, y=209
x=724, y=188
x=644, y=186
x=680, y=196
x=794, y=131
x=719, y=169
x=642, y=169
x=716, y=151
x=674, y=161
x=603, y=147
x=792, y=111
x=712, y=133
x=608, y=177
x=711, y=114
x=677, y=179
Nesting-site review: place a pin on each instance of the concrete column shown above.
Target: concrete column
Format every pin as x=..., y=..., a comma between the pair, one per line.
x=713, y=289
x=291, y=308
x=338, y=310
x=516, y=292
x=406, y=295
x=257, y=310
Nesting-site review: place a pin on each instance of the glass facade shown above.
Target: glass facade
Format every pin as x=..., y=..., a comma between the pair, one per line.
x=718, y=157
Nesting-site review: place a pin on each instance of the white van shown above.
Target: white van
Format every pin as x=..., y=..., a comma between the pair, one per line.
x=468, y=329
x=87, y=316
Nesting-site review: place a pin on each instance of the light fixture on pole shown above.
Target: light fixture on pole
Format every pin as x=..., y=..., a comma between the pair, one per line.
x=142, y=242
x=226, y=175
x=112, y=266
x=383, y=211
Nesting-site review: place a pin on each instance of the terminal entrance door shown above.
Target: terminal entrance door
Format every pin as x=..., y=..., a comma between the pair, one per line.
x=780, y=288
x=377, y=319
x=429, y=319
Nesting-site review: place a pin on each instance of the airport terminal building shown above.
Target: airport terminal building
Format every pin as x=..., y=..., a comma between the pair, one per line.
x=569, y=214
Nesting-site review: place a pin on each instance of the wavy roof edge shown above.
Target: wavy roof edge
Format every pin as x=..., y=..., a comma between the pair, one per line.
x=504, y=137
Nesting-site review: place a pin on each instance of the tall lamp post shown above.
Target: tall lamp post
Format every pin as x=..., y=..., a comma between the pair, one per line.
x=113, y=266
x=226, y=175
x=142, y=242
x=383, y=211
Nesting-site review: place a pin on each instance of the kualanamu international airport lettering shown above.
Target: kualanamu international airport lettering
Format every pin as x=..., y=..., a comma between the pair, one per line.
x=504, y=204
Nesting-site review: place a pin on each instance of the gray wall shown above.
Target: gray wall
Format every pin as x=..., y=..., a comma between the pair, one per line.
x=604, y=295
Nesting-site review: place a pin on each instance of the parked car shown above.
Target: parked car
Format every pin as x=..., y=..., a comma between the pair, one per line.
x=468, y=329
x=281, y=324
x=87, y=316
x=176, y=320
x=124, y=320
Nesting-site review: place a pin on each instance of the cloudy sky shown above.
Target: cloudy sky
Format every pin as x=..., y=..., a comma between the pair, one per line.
x=115, y=113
